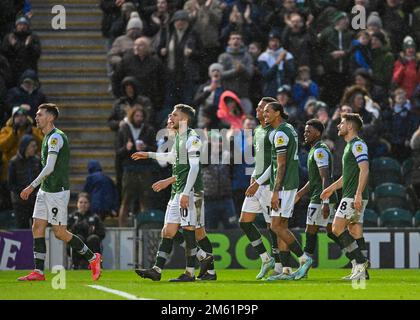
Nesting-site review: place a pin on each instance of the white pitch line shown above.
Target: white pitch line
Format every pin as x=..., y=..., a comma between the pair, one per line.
x=117, y=292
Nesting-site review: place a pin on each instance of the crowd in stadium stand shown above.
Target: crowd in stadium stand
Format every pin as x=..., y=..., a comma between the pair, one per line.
x=221, y=57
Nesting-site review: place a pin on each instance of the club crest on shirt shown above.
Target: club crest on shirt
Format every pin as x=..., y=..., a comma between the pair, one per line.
x=359, y=148
x=196, y=143
x=280, y=140
x=319, y=155
x=53, y=142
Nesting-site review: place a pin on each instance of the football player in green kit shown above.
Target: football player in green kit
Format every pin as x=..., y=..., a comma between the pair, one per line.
x=186, y=207
x=284, y=182
x=53, y=196
x=320, y=172
x=348, y=222
x=258, y=195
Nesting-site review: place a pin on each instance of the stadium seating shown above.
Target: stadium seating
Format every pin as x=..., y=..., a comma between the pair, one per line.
x=417, y=219
x=7, y=220
x=152, y=219
x=406, y=168
x=370, y=218
x=396, y=217
x=390, y=195
x=385, y=170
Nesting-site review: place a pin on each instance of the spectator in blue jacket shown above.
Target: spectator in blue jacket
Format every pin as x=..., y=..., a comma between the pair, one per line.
x=102, y=191
x=361, y=56
x=304, y=88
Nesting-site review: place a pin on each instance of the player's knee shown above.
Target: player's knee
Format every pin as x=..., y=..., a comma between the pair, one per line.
x=336, y=230
x=311, y=229
x=168, y=233
x=200, y=234
x=283, y=223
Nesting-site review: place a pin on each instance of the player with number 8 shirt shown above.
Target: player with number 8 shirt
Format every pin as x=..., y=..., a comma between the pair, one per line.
x=348, y=221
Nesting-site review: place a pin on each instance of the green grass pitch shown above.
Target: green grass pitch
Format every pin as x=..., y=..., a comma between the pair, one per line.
x=231, y=284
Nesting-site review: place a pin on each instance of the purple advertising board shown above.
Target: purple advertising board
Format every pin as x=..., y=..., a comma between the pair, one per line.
x=16, y=250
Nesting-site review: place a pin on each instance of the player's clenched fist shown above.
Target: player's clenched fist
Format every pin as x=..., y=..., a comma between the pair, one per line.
x=140, y=155
x=26, y=192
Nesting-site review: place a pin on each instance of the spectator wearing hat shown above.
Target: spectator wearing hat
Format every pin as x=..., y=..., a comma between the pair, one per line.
x=394, y=22
x=208, y=95
x=304, y=88
x=24, y=167
x=27, y=94
x=334, y=44
x=146, y=68
x=119, y=20
x=374, y=23
x=132, y=97
x=102, y=191
x=382, y=61
x=180, y=49
x=276, y=65
x=11, y=134
x=205, y=18
x=125, y=42
x=238, y=69
x=406, y=69
x=22, y=48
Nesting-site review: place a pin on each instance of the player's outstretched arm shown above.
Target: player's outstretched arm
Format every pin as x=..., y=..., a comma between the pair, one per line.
x=160, y=156
x=163, y=184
